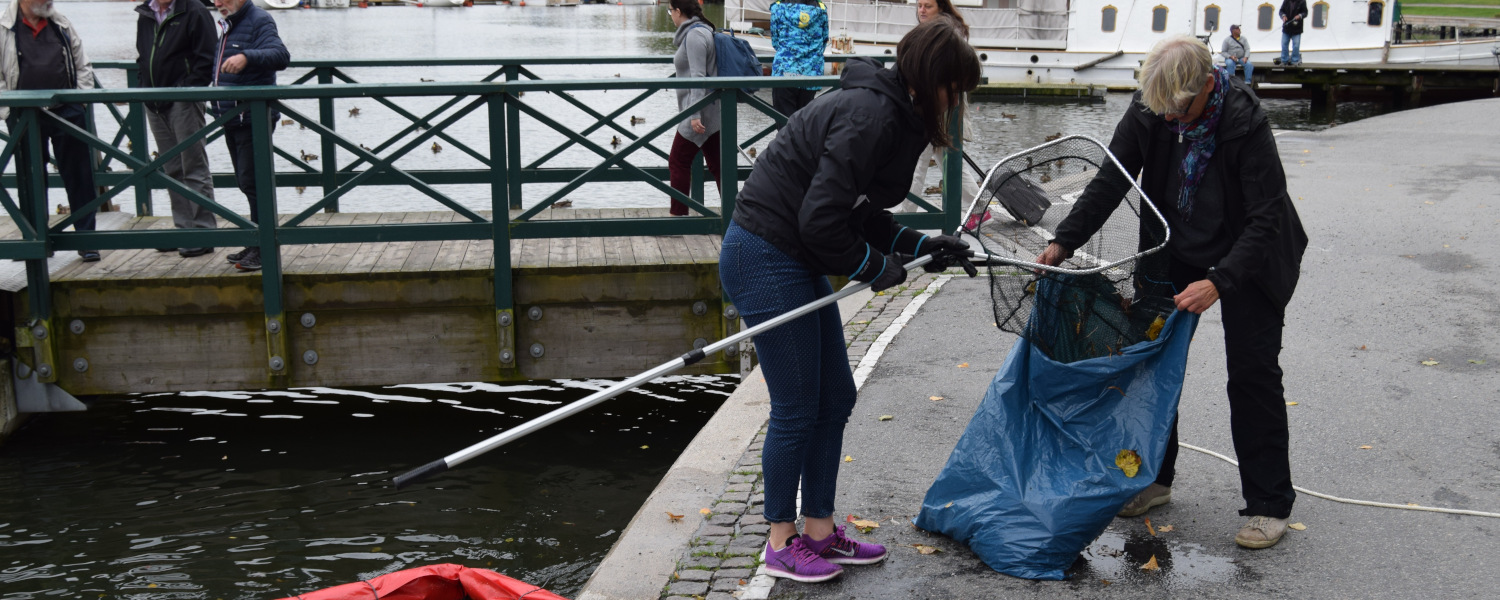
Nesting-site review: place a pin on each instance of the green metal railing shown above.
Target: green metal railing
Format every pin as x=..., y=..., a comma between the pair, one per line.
x=500, y=102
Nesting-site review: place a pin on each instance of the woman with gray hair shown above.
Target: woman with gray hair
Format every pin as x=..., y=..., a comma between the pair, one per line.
x=1207, y=160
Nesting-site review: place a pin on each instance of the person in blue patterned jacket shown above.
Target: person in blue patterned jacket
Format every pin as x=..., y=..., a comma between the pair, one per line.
x=799, y=32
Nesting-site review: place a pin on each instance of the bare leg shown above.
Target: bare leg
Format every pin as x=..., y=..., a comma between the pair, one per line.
x=818, y=529
x=781, y=532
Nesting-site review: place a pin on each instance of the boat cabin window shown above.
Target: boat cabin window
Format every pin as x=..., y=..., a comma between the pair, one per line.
x=1320, y=15
x=1264, y=14
x=1109, y=18
x=1377, y=11
x=1159, y=18
x=1211, y=18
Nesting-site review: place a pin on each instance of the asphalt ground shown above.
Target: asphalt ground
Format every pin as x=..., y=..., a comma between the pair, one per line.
x=1403, y=212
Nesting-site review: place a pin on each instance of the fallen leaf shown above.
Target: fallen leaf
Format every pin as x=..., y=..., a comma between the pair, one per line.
x=848, y=459
x=1117, y=389
x=886, y=417
x=1431, y=362
x=1151, y=564
x=1164, y=529
x=1366, y=447
x=1128, y=461
x=948, y=505
x=1104, y=581
x=934, y=398
x=1476, y=361
x=1298, y=526
x=925, y=549
x=1428, y=202
x=645, y=447
x=1291, y=404
x=1363, y=348
x=674, y=518
x=705, y=511
x=375, y=549
x=963, y=365
x=1149, y=529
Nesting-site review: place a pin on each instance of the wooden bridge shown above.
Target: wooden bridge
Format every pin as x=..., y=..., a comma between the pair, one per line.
x=524, y=289
x=1403, y=85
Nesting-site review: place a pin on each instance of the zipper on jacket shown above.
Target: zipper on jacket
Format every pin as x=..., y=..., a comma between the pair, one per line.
x=160, y=33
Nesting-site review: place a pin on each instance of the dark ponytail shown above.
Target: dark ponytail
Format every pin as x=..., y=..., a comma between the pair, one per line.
x=691, y=9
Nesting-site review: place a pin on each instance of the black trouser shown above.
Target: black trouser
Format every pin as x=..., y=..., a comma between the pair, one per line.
x=242, y=156
x=1257, y=407
x=788, y=100
x=73, y=162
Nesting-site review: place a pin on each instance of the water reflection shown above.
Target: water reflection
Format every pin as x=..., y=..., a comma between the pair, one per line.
x=1117, y=558
x=220, y=495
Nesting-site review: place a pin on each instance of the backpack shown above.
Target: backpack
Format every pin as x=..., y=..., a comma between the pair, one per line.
x=735, y=58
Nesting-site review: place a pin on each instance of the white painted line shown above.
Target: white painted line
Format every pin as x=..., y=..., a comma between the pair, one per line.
x=872, y=356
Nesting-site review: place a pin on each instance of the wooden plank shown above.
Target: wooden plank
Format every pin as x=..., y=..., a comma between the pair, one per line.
x=338, y=256
x=424, y=253
x=395, y=253
x=369, y=253
x=618, y=252
x=531, y=255
x=646, y=250
x=562, y=253
x=591, y=252
x=674, y=250
x=702, y=248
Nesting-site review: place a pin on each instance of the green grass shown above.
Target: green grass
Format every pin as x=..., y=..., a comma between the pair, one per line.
x=1405, y=4
x=1435, y=11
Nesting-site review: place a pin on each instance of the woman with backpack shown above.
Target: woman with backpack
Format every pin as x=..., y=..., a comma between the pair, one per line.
x=694, y=58
x=816, y=205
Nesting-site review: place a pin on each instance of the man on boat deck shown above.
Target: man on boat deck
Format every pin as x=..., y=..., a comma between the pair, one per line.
x=40, y=50
x=250, y=53
x=799, y=32
x=1236, y=51
x=1293, y=13
x=175, y=41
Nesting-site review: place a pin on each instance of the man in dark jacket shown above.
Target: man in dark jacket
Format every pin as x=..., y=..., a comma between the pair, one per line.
x=250, y=53
x=1293, y=16
x=1211, y=167
x=175, y=42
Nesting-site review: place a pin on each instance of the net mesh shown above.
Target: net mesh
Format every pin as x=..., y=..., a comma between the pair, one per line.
x=1113, y=292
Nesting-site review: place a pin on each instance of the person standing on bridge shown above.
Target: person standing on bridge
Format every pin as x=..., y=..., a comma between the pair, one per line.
x=799, y=32
x=1207, y=159
x=1293, y=13
x=816, y=205
x=40, y=50
x=927, y=9
x=700, y=132
x=250, y=53
x=174, y=41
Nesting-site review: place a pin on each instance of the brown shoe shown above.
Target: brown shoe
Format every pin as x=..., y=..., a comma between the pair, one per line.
x=1261, y=532
x=1154, y=495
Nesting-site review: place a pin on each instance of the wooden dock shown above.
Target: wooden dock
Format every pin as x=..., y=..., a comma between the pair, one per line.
x=385, y=313
x=1403, y=85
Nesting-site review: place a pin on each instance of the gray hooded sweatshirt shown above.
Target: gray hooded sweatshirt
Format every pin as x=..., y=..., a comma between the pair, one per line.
x=695, y=58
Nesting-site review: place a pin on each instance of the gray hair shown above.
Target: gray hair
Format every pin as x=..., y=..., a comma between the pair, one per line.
x=1174, y=72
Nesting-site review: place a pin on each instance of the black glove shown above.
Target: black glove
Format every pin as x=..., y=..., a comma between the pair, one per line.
x=883, y=271
x=948, y=251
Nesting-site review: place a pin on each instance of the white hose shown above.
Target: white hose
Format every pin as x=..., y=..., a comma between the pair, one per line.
x=1451, y=511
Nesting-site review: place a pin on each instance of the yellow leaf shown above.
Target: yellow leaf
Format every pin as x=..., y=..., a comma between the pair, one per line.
x=963, y=365
x=886, y=417
x=1291, y=404
x=848, y=459
x=924, y=549
x=645, y=447
x=150, y=585
x=375, y=549
x=1428, y=202
x=705, y=511
x=1164, y=529
x=1431, y=362
x=934, y=398
x=948, y=505
x=1149, y=529
x=1298, y=526
x=864, y=523
x=1366, y=447
x=1155, y=328
x=1476, y=361
x=1363, y=348
x=1129, y=462
x=1151, y=564
x=673, y=518
x=509, y=540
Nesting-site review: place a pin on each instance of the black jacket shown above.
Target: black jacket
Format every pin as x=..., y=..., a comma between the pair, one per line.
x=252, y=32
x=819, y=191
x=177, y=53
x=1295, y=12
x=1267, y=234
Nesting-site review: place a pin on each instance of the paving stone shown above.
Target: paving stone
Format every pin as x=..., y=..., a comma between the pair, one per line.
x=729, y=508
x=738, y=562
x=750, y=458
x=735, y=497
x=733, y=574
x=740, y=487
x=680, y=598
x=724, y=519
x=757, y=446
x=733, y=551
x=756, y=510
x=755, y=529
x=720, y=596
x=688, y=588
x=749, y=539
x=757, y=499
x=704, y=562
x=695, y=575
x=756, y=519
x=711, y=540
x=742, y=478
x=715, y=530
x=725, y=585
x=755, y=468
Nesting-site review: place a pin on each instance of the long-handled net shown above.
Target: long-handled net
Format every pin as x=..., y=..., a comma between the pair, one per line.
x=1113, y=292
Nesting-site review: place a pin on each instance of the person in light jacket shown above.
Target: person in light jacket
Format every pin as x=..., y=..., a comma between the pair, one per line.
x=695, y=57
x=40, y=50
x=1236, y=51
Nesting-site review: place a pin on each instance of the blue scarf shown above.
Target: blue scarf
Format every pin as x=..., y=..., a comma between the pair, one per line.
x=1202, y=134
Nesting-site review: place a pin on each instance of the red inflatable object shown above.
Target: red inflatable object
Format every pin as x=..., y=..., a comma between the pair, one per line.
x=434, y=582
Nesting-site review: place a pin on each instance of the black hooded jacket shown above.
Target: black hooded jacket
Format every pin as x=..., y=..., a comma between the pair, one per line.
x=820, y=190
x=178, y=52
x=1267, y=239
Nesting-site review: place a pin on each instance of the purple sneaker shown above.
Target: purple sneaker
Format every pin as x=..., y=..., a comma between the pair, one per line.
x=798, y=563
x=841, y=550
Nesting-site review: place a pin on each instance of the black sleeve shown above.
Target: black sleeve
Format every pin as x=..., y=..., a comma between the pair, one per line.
x=1263, y=185
x=202, y=46
x=1102, y=195
x=855, y=141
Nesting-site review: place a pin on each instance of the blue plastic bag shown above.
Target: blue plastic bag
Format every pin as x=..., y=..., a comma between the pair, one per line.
x=1033, y=480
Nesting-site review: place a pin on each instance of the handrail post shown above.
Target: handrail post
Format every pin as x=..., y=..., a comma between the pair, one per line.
x=513, y=144
x=32, y=196
x=278, y=361
x=729, y=178
x=500, y=178
x=953, y=173
x=327, y=118
x=135, y=120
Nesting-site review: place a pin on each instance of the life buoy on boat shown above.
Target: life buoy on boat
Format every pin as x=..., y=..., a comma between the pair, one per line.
x=434, y=582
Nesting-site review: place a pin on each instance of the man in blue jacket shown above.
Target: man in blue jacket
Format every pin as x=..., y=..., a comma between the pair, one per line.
x=250, y=53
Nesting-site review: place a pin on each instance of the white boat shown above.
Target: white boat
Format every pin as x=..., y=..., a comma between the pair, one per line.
x=562, y=2
x=277, y=4
x=1102, y=42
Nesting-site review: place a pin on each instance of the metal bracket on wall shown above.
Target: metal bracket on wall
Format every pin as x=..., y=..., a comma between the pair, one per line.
x=34, y=396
